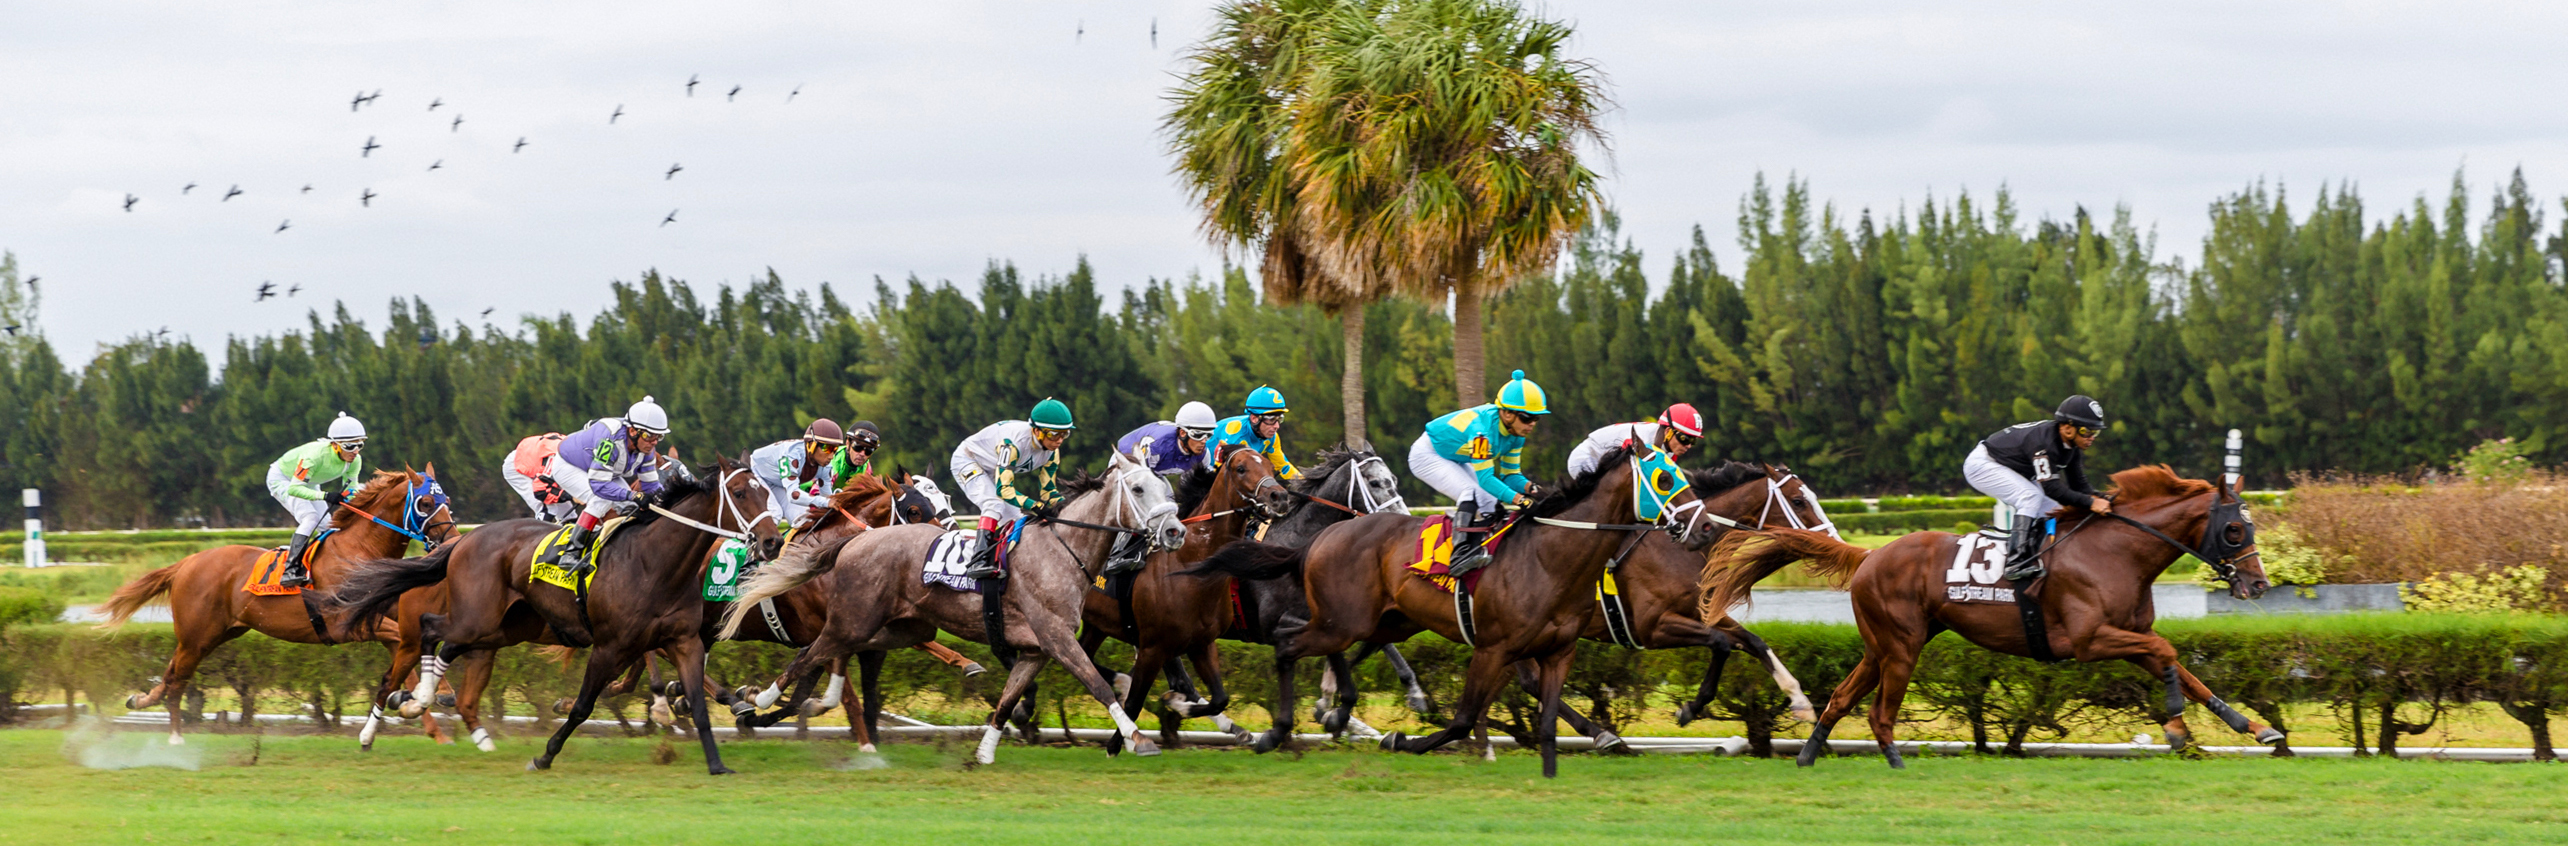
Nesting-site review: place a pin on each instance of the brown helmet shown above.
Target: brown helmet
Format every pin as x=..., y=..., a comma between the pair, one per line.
x=825, y=431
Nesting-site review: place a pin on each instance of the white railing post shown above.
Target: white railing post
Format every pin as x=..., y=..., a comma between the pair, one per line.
x=35, y=529
x=2229, y=463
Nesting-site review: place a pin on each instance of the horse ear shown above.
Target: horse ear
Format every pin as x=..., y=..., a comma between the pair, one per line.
x=431, y=472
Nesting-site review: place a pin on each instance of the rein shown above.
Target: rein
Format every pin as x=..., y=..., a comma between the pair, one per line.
x=724, y=507
x=1356, y=491
x=2223, y=568
x=409, y=510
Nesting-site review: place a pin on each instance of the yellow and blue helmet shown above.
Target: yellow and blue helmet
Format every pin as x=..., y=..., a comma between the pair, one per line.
x=1523, y=396
x=1264, y=400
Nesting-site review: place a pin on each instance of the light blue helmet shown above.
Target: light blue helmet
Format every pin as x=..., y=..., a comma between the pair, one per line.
x=1522, y=395
x=1265, y=400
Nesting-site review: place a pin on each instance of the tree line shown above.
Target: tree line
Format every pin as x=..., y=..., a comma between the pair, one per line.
x=1868, y=352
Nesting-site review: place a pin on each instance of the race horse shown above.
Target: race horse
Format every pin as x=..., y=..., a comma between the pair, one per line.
x=1530, y=601
x=210, y=602
x=2094, y=603
x=646, y=593
x=883, y=602
x=1343, y=485
x=1166, y=616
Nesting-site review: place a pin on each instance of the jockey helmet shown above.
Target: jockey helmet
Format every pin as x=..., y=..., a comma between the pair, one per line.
x=1197, y=418
x=825, y=431
x=1522, y=396
x=346, y=429
x=1684, y=419
x=2081, y=410
x=863, y=435
x=1264, y=400
x=647, y=416
x=1051, y=414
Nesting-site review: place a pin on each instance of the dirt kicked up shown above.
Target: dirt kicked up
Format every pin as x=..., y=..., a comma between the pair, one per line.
x=634, y=791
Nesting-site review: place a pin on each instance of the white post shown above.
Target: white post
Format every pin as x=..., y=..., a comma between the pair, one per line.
x=35, y=529
x=2229, y=463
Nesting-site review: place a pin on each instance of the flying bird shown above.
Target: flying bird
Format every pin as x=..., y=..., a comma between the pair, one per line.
x=307, y=187
x=1082, y=33
x=619, y=112
x=486, y=312
x=691, y=84
x=267, y=291
x=190, y=187
x=433, y=104
x=672, y=174
x=734, y=95
x=437, y=164
x=12, y=329
x=521, y=144
x=32, y=280
x=282, y=226
x=457, y=126
x=790, y=95
x=366, y=199
x=1154, y=33
x=672, y=218
x=130, y=200
x=235, y=192
x=297, y=289
x=163, y=333
x=367, y=151
x=363, y=98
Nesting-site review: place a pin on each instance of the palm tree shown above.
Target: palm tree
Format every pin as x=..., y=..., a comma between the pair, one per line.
x=1433, y=149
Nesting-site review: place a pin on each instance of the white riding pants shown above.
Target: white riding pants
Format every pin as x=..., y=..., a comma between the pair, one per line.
x=525, y=488
x=308, y=513
x=982, y=488
x=2016, y=492
x=575, y=481
x=1452, y=478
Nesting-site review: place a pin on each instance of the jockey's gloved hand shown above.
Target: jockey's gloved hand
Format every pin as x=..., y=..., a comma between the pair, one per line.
x=334, y=499
x=1046, y=512
x=1521, y=502
x=1533, y=491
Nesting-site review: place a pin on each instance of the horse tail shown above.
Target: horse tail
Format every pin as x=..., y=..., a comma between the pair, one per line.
x=135, y=594
x=374, y=587
x=789, y=571
x=1745, y=558
x=559, y=655
x=1248, y=559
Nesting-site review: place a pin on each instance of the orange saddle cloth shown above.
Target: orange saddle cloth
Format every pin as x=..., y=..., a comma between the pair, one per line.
x=265, y=572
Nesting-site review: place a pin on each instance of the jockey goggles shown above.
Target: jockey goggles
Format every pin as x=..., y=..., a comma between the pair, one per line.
x=1684, y=440
x=2087, y=431
x=1193, y=434
x=1268, y=417
x=351, y=446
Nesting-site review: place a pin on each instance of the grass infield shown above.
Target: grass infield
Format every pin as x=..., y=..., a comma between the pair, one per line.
x=643, y=791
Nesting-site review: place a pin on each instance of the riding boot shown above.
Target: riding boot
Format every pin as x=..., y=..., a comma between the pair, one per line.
x=1468, y=551
x=295, y=575
x=2023, y=551
x=985, y=562
x=576, y=549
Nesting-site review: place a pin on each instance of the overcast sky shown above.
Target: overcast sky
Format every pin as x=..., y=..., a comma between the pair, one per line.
x=931, y=138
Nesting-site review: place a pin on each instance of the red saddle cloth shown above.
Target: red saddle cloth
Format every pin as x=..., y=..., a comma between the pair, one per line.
x=1434, y=556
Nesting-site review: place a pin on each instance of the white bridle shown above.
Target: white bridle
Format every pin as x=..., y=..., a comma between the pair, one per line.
x=1357, y=491
x=1124, y=471
x=1774, y=493
x=724, y=509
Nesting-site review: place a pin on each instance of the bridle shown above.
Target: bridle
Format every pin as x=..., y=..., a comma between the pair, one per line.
x=1774, y=494
x=1248, y=499
x=1115, y=479
x=414, y=520
x=2215, y=550
x=724, y=510
x=1359, y=492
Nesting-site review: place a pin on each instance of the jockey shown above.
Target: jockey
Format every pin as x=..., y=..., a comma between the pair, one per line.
x=857, y=459
x=1675, y=432
x=800, y=474
x=607, y=466
x=1475, y=456
x=2036, y=467
x=296, y=479
x=1171, y=448
x=523, y=470
x=1258, y=427
x=1007, y=470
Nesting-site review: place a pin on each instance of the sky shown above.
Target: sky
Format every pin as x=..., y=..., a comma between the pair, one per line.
x=931, y=139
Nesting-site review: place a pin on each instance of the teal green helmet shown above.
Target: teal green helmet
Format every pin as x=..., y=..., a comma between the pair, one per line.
x=1523, y=396
x=1051, y=414
x=1265, y=400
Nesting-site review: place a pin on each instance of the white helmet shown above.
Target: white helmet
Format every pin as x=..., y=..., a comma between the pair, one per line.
x=1196, y=416
x=647, y=416
x=346, y=429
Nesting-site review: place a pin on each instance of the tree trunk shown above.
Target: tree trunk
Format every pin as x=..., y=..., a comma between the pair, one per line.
x=1351, y=381
x=1469, y=388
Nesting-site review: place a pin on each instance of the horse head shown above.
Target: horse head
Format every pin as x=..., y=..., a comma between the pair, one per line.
x=1247, y=479
x=1662, y=494
x=406, y=502
x=1790, y=500
x=2153, y=498
x=919, y=500
x=741, y=507
x=2229, y=544
x=1139, y=499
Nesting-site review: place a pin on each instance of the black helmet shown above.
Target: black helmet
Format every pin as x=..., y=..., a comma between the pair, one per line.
x=2081, y=410
x=863, y=434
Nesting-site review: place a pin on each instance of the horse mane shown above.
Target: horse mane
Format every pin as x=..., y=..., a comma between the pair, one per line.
x=1194, y=486
x=1077, y=483
x=675, y=489
x=858, y=488
x=383, y=485
x=1730, y=474
x=1575, y=489
x=2155, y=481
x=1332, y=460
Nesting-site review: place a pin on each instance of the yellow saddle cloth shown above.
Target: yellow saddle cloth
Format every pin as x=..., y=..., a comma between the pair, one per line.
x=559, y=576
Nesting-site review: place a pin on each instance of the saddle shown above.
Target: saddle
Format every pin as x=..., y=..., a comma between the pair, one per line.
x=556, y=575
x=270, y=567
x=1435, y=551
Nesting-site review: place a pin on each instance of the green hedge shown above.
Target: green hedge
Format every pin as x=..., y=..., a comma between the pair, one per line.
x=2383, y=676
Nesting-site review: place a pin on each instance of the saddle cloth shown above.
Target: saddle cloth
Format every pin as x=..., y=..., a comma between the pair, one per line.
x=1435, y=551
x=948, y=556
x=270, y=567
x=556, y=575
x=1977, y=571
x=730, y=565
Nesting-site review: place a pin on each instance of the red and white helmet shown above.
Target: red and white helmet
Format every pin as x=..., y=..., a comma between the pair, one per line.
x=1684, y=419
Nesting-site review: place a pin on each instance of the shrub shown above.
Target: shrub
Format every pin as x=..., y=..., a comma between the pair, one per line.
x=2516, y=588
x=2419, y=530
x=2495, y=462
x=2290, y=560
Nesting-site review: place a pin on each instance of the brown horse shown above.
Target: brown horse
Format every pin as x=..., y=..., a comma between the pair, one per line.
x=2095, y=604
x=1174, y=615
x=647, y=593
x=884, y=603
x=210, y=605
x=1531, y=603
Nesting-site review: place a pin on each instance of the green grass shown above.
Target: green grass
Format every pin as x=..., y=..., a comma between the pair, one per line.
x=307, y=789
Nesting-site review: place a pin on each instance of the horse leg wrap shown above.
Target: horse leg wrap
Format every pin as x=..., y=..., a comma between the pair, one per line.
x=837, y=684
x=988, y=751
x=2237, y=721
x=768, y=697
x=482, y=741
x=2175, y=694
x=1123, y=723
x=365, y=736
x=1818, y=743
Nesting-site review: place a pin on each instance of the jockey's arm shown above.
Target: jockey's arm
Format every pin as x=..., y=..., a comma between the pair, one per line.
x=1284, y=468
x=1496, y=486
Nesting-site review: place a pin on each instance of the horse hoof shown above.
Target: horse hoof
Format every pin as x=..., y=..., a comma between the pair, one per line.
x=2269, y=737
x=974, y=669
x=1686, y=714
x=1609, y=741
x=133, y=702
x=743, y=709
x=1265, y=743
x=1393, y=741
x=445, y=700
x=1143, y=748
x=1114, y=746
x=1418, y=702
x=561, y=707
x=1242, y=736
x=1892, y=754
x=175, y=740
x=538, y=764
x=1335, y=722
x=718, y=769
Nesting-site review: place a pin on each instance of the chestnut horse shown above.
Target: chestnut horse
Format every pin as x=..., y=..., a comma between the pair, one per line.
x=2095, y=602
x=209, y=605
x=647, y=593
x=1531, y=603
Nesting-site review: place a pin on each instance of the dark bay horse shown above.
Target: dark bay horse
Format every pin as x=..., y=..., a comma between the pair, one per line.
x=2095, y=603
x=209, y=606
x=883, y=603
x=1531, y=602
x=647, y=594
x=1343, y=485
x=1182, y=616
